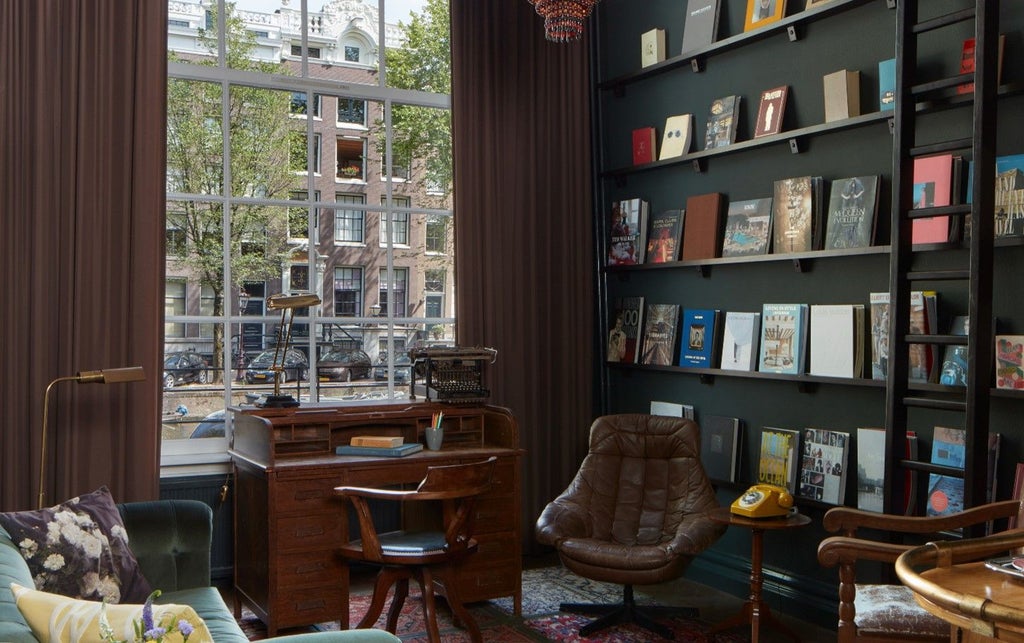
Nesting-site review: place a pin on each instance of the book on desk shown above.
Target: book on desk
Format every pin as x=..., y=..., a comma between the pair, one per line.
x=393, y=452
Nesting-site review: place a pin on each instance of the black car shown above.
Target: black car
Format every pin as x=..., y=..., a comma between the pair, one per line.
x=296, y=367
x=344, y=366
x=403, y=369
x=185, y=367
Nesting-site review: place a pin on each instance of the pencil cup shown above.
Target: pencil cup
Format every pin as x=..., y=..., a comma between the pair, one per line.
x=434, y=435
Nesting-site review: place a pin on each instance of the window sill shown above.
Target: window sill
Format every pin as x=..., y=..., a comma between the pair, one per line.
x=340, y=179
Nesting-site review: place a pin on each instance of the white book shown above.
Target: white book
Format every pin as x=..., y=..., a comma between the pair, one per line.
x=739, y=341
x=671, y=409
x=837, y=340
x=677, y=137
x=870, y=469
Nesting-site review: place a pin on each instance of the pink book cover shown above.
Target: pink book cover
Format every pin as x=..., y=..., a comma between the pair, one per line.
x=933, y=179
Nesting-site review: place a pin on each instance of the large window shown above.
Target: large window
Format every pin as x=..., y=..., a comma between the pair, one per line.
x=246, y=168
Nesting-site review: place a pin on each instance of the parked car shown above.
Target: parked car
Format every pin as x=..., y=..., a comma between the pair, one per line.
x=344, y=366
x=296, y=367
x=185, y=367
x=403, y=369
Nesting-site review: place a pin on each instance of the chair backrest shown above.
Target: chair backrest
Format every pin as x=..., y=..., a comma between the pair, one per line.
x=642, y=477
x=457, y=480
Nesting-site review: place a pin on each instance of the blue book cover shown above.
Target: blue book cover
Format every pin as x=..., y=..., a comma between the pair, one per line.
x=783, y=338
x=390, y=452
x=886, y=84
x=698, y=339
x=946, y=493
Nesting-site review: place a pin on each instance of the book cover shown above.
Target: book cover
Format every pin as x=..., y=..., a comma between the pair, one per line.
x=783, y=338
x=722, y=120
x=702, y=230
x=954, y=358
x=644, y=142
x=823, y=465
x=698, y=338
x=376, y=441
x=770, y=111
x=672, y=409
x=793, y=215
x=879, y=302
x=664, y=236
x=777, y=458
x=719, y=447
x=922, y=321
x=748, y=226
x=842, y=95
x=837, y=344
x=1009, y=195
x=967, y=52
x=624, y=330
x=1010, y=362
x=933, y=178
x=871, y=469
x=677, y=137
x=761, y=13
x=887, y=84
x=661, y=324
x=652, y=47
x=946, y=493
x=852, y=212
x=625, y=234
x=388, y=452
x=700, y=28
x=740, y=333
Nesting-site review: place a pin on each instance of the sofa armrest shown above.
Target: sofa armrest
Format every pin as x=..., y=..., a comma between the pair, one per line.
x=171, y=539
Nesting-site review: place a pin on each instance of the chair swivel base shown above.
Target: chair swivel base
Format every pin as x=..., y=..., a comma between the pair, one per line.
x=625, y=612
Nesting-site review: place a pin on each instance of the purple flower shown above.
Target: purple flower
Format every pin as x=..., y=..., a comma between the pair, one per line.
x=147, y=613
x=155, y=634
x=185, y=628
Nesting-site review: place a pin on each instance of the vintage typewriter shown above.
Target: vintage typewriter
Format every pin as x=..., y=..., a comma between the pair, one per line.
x=451, y=373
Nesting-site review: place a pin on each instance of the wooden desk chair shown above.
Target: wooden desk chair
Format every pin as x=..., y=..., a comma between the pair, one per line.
x=423, y=555
x=878, y=613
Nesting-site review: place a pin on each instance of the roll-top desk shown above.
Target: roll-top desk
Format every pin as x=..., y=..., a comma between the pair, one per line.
x=288, y=522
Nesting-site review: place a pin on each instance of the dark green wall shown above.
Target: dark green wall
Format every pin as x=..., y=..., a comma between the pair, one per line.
x=856, y=40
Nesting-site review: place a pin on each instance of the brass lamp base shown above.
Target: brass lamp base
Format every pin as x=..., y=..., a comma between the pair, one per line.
x=277, y=402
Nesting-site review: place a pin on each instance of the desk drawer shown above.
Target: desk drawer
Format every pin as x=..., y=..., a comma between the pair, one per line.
x=308, y=495
x=409, y=473
x=503, y=481
x=494, y=515
x=311, y=531
x=306, y=569
x=309, y=605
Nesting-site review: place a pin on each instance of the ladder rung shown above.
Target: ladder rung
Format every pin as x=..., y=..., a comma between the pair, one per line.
x=938, y=211
x=931, y=467
x=942, y=83
x=949, y=340
x=944, y=21
x=932, y=403
x=944, y=146
x=938, y=275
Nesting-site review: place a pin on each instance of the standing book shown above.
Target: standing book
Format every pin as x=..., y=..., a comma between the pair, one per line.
x=842, y=95
x=652, y=47
x=871, y=469
x=933, y=180
x=761, y=13
x=701, y=26
x=720, y=447
x=627, y=229
x=783, y=338
x=664, y=236
x=677, y=137
x=624, y=333
x=1010, y=362
x=946, y=493
x=748, y=226
x=770, y=111
x=954, y=358
x=777, y=464
x=852, y=209
x=702, y=232
x=879, y=302
x=923, y=357
x=740, y=333
x=837, y=340
x=1008, y=204
x=887, y=84
x=644, y=141
x=699, y=337
x=823, y=465
x=722, y=120
x=661, y=325
x=793, y=215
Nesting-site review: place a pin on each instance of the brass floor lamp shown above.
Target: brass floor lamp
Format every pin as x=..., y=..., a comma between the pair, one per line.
x=107, y=376
x=287, y=305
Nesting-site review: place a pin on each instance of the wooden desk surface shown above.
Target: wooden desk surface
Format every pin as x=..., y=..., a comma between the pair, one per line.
x=724, y=515
x=979, y=582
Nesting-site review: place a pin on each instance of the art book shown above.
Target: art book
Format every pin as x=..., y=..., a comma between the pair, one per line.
x=748, y=226
x=1009, y=198
x=967, y=62
x=933, y=180
x=672, y=409
x=740, y=333
x=661, y=324
x=871, y=469
x=946, y=493
x=722, y=120
x=886, y=84
x=793, y=215
x=701, y=26
x=879, y=302
x=953, y=371
x=852, y=208
x=837, y=340
x=783, y=338
x=923, y=314
x=823, y=465
x=777, y=462
x=1010, y=361
x=699, y=335
x=644, y=140
x=626, y=231
x=702, y=232
x=720, y=446
x=664, y=236
x=842, y=95
x=761, y=13
x=677, y=137
x=652, y=47
x=770, y=111
x=624, y=330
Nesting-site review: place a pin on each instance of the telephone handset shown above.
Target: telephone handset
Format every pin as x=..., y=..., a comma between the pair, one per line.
x=763, y=501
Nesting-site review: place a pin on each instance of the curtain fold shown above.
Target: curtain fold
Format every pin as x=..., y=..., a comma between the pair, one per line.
x=82, y=113
x=524, y=255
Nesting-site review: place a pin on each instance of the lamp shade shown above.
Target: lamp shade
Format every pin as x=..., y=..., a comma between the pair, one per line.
x=563, y=19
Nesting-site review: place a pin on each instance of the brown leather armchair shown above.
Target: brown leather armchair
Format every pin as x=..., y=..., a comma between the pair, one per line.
x=635, y=512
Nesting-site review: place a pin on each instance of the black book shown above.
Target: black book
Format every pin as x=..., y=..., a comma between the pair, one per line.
x=720, y=447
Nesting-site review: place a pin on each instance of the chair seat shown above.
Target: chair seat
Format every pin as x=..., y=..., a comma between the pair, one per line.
x=891, y=610
x=609, y=555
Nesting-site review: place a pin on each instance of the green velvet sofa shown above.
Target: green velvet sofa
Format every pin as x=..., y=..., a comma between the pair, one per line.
x=171, y=540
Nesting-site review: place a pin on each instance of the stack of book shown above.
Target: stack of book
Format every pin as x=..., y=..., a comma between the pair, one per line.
x=392, y=446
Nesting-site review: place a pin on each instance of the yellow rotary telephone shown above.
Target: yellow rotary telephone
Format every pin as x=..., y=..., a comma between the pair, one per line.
x=763, y=501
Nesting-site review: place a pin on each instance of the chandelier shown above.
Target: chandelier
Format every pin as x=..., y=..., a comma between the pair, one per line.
x=563, y=19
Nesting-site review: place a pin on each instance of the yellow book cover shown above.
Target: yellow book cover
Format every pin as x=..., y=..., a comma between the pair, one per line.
x=377, y=441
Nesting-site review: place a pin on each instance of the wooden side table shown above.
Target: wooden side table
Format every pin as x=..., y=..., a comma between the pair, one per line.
x=755, y=611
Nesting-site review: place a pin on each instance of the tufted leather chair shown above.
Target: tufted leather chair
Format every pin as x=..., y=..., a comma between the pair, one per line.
x=635, y=512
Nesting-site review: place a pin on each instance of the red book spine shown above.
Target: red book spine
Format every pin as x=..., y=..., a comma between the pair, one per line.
x=643, y=145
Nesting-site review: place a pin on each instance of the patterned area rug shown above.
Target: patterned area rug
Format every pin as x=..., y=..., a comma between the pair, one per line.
x=543, y=590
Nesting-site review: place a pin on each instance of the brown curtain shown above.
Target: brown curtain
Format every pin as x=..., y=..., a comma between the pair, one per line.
x=525, y=265
x=82, y=111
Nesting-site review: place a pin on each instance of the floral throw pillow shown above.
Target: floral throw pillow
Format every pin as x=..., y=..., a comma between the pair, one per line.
x=79, y=549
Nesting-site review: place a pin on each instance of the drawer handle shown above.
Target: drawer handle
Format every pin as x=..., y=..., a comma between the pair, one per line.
x=309, y=531
x=310, y=605
x=306, y=569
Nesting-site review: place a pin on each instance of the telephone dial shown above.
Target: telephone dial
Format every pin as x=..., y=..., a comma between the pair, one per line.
x=763, y=501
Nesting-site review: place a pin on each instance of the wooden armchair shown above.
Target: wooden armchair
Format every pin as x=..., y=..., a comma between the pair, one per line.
x=880, y=613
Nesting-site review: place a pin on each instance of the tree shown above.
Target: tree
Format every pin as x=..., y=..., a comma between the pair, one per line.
x=261, y=135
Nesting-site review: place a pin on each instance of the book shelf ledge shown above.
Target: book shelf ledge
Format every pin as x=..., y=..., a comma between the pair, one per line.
x=707, y=375
x=700, y=264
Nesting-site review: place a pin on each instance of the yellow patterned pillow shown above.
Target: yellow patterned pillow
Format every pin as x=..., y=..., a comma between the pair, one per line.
x=59, y=619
